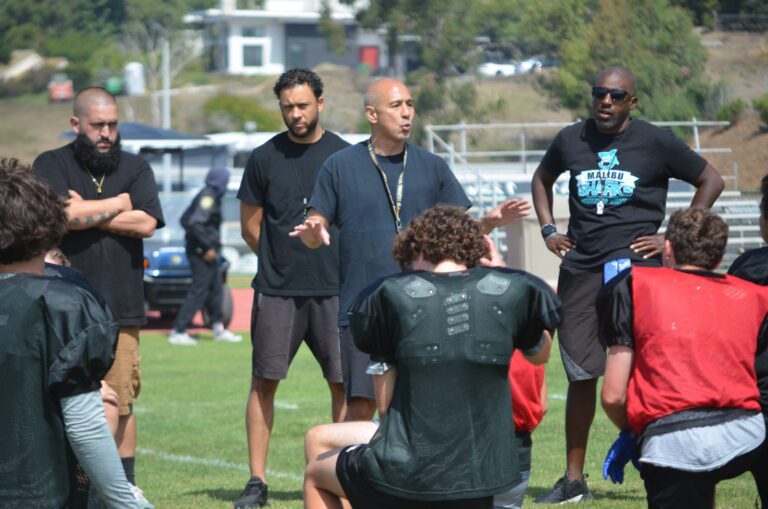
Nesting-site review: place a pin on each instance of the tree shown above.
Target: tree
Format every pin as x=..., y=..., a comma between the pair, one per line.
x=445, y=29
x=654, y=40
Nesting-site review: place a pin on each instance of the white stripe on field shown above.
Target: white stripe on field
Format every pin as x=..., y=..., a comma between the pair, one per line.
x=559, y=397
x=213, y=462
x=286, y=406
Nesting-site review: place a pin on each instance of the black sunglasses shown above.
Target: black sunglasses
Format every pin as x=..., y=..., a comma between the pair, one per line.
x=617, y=94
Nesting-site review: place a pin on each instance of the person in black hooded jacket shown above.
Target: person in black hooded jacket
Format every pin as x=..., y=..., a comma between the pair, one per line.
x=202, y=223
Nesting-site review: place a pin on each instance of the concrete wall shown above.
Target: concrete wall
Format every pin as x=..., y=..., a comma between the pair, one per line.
x=526, y=249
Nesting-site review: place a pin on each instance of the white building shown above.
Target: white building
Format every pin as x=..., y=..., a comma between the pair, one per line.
x=282, y=35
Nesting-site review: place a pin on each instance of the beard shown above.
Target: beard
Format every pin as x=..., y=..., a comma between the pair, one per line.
x=98, y=163
x=309, y=130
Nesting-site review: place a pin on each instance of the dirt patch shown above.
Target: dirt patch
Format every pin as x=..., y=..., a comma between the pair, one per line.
x=749, y=157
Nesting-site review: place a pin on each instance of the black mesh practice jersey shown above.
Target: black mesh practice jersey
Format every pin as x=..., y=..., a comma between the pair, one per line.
x=449, y=432
x=56, y=340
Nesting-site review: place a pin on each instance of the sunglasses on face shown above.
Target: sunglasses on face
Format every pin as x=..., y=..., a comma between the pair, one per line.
x=617, y=94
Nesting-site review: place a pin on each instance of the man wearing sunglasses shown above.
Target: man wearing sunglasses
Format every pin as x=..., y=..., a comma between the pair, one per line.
x=619, y=175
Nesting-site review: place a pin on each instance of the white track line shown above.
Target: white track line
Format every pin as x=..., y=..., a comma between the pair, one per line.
x=213, y=462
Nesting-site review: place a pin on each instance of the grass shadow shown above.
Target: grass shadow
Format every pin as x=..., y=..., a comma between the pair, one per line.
x=228, y=495
x=598, y=493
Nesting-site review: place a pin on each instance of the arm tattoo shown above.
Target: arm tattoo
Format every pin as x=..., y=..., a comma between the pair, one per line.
x=89, y=220
x=76, y=222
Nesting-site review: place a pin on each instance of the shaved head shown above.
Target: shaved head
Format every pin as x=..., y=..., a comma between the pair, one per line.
x=623, y=72
x=92, y=96
x=378, y=90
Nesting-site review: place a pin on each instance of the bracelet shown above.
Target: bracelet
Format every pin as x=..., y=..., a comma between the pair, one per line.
x=548, y=230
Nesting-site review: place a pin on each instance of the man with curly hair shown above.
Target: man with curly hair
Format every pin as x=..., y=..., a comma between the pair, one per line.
x=442, y=334
x=56, y=344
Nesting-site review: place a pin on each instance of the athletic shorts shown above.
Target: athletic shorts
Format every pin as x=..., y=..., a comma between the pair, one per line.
x=362, y=495
x=580, y=350
x=354, y=363
x=280, y=324
x=125, y=374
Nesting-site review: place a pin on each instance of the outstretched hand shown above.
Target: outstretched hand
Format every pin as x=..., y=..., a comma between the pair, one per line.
x=648, y=245
x=312, y=233
x=505, y=213
x=621, y=452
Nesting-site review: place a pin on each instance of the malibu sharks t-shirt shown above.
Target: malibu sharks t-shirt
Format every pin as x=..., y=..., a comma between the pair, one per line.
x=629, y=172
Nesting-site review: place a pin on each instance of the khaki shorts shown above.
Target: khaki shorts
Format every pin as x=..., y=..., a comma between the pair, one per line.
x=125, y=376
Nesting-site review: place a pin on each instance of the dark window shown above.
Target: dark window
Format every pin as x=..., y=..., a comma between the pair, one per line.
x=253, y=55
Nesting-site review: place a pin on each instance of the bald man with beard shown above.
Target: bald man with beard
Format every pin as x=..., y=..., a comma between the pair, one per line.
x=371, y=191
x=112, y=204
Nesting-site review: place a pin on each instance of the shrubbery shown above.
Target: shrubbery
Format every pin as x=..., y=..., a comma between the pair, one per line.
x=761, y=107
x=730, y=111
x=226, y=112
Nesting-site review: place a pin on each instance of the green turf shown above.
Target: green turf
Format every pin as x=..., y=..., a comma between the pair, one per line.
x=193, y=451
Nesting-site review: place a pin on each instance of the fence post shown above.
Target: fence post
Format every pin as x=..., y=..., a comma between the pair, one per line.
x=430, y=138
x=463, y=140
x=523, y=157
x=696, y=134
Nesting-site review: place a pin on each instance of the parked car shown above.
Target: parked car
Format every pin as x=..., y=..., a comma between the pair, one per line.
x=507, y=68
x=529, y=66
x=60, y=88
x=167, y=277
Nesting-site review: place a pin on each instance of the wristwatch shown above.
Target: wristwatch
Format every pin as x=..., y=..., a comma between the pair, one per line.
x=547, y=231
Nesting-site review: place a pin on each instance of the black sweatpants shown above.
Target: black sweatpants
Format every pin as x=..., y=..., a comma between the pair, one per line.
x=206, y=290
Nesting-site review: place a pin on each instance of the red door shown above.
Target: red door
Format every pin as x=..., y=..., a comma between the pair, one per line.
x=369, y=55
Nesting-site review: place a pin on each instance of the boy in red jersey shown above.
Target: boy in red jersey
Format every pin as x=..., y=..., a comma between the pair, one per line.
x=675, y=375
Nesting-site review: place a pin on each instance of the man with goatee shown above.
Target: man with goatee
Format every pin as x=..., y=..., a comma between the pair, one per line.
x=112, y=204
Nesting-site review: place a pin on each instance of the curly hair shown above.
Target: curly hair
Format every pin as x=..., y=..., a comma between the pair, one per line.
x=441, y=233
x=33, y=215
x=764, y=200
x=299, y=76
x=698, y=237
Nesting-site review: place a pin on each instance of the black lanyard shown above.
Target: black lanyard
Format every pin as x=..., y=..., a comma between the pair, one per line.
x=396, y=205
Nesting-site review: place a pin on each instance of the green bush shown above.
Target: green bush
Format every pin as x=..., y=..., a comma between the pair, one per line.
x=760, y=105
x=226, y=111
x=730, y=111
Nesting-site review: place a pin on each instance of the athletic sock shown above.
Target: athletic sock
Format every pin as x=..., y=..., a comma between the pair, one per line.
x=128, y=464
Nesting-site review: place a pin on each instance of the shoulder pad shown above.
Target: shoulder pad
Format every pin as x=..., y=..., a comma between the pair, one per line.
x=493, y=284
x=417, y=287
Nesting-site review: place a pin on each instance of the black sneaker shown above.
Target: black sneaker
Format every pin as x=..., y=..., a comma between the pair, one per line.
x=565, y=491
x=254, y=496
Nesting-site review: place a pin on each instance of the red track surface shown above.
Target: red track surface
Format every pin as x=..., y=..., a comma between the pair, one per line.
x=241, y=320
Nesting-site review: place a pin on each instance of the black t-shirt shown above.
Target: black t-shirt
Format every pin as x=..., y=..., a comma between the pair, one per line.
x=113, y=264
x=350, y=193
x=57, y=341
x=279, y=177
x=629, y=172
x=449, y=433
x=753, y=266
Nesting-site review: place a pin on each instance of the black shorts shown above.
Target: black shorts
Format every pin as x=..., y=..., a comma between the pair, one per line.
x=280, y=324
x=582, y=354
x=357, y=383
x=672, y=488
x=362, y=495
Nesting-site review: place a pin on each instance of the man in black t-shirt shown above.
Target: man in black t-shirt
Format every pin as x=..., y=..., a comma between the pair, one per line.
x=753, y=266
x=619, y=174
x=296, y=290
x=370, y=191
x=112, y=204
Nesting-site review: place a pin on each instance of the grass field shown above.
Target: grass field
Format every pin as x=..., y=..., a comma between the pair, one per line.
x=192, y=445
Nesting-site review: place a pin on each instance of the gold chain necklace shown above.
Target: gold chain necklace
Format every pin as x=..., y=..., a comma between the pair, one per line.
x=97, y=182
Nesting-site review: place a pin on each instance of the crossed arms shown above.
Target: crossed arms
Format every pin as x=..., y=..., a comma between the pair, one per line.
x=115, y=215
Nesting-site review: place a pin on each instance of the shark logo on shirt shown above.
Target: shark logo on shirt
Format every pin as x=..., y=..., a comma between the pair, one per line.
x=609, y=183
